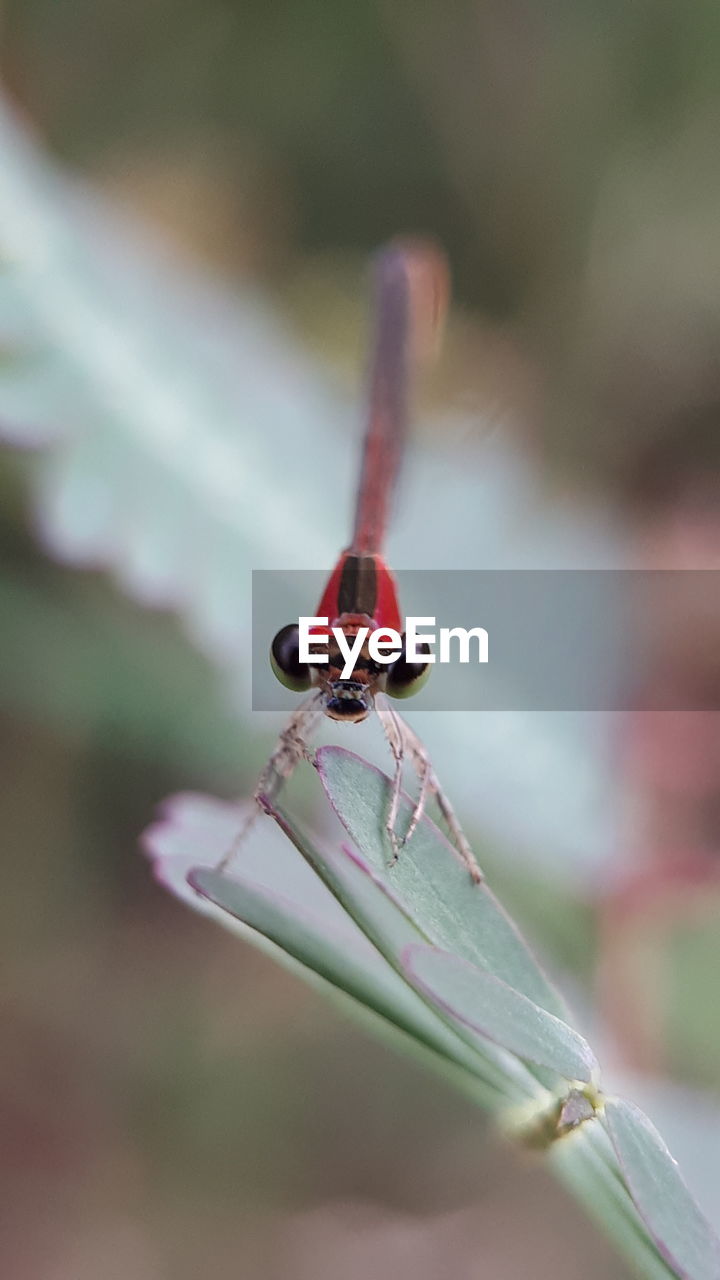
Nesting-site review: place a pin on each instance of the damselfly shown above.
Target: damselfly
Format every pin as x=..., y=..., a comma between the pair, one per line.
x=411, y=296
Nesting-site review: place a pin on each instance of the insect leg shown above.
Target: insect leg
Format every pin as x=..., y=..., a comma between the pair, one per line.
x=290, y=749
x=404, y=742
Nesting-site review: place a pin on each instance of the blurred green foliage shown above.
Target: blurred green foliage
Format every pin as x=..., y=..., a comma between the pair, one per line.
x=566, y=158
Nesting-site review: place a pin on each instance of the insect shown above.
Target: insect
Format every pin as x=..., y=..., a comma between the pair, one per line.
x=411, y=297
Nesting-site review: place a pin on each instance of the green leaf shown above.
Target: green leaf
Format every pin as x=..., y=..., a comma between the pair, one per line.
x=429, y=881
x=681, y=1232
x=384, y=922
x=322, y=945
x=349, y=963
x=588, y=1167
x=486, y=1004
x=302, y=927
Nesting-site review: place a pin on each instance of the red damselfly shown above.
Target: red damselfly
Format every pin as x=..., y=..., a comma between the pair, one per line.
x=411, y=296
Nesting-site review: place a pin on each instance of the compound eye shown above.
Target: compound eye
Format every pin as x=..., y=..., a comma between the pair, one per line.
x=406, y=678
x=285, y=660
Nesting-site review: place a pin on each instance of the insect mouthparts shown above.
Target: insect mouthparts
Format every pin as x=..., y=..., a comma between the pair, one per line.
x=349, y=700
x=348, y=689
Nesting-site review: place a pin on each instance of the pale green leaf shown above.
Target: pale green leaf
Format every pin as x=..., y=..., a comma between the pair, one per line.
x=681, y=1232
x=431, y=881
x=484, y=1003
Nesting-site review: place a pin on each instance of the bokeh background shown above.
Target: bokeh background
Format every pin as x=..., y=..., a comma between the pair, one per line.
x=171, y=1104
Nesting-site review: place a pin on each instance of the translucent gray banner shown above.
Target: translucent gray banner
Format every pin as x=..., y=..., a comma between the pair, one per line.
x=595, y=640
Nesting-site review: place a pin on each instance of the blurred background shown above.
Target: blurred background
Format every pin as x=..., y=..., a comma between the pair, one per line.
x=171, y=1104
